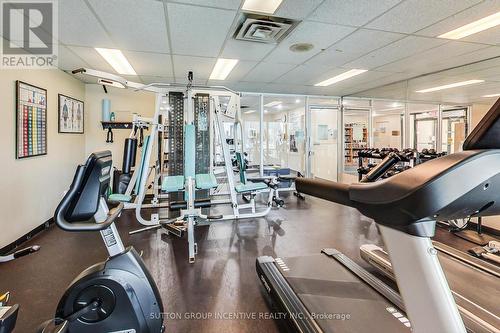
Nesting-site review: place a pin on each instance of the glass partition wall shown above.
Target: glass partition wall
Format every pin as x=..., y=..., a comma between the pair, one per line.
x=321, y=136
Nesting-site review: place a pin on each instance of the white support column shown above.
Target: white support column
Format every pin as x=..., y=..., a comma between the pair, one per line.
x=308, y=156
x=261, y=135
x=427, y=297
x=439, y=129
x=341, y=139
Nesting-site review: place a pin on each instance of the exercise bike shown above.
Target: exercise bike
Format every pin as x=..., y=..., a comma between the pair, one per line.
x=118, y=295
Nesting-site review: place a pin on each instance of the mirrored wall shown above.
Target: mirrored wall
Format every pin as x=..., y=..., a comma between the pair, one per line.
x=321, y=136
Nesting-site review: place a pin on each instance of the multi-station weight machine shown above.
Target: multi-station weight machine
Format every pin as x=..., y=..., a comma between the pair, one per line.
x=177, y=158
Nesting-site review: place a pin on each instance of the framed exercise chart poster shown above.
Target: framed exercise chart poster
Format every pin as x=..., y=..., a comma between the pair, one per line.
x=71, y=117
x=31, y=120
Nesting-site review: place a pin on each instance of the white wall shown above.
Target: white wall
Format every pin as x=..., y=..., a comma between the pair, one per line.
x=31, y=187
x=124, y=102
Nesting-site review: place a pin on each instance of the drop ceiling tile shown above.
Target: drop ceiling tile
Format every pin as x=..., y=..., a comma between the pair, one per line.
x=240, y=70
x=477, y=12
x=280, y=88
x=304, y=74
x=267, y=72
x=147, y=79
x=201, y=67
x=226, y=4
x=349, y=13
x=432, y=60
x=75, y=16
x=354, y=46
x=134, y=25
x=413, y=15
x=68, y=60
x=402, y=48
x=320, y=35
x=490, y=36
x=92, y=58
x=147, y=63
x=198, y=31
x=297, y=10
x=236, y=49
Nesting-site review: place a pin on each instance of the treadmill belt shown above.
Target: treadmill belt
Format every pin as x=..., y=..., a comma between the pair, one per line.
x=474, y=290
x=337, y=299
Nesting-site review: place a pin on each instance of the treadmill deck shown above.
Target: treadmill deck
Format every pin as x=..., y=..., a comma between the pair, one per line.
x=336, y=299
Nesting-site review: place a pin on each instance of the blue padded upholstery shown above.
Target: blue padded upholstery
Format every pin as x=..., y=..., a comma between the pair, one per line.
x=250, y=187
x=117, y=197
x=172, y=184
x=189, y=151
x=205, y=181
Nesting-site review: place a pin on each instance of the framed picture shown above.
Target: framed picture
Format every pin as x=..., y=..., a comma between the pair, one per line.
x=31, y=120
x=70, y=115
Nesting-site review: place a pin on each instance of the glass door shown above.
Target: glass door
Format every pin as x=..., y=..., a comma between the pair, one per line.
x=324, y=143
x=454, y=129
x=356, y=137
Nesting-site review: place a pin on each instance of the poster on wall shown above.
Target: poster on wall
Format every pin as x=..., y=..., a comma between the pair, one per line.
x=31, y=120
x=71, y=115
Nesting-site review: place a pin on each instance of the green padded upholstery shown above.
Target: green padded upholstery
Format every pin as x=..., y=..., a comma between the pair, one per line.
x=143, y=165
x=205, y=181
x=189, y=151
x=172, y=184
x=120, y=197
x=250, y=187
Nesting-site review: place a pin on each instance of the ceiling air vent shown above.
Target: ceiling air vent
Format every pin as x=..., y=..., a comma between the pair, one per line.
x=264, y=29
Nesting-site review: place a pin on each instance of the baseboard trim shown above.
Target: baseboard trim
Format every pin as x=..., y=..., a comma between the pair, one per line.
x=26, y=237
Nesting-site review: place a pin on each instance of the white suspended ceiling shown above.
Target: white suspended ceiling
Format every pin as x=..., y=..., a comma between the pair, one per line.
x=394, y=39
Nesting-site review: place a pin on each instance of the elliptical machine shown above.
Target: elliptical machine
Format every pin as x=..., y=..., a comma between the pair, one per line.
x=118, y=295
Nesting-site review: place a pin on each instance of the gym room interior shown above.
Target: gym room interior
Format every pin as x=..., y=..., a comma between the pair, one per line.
x=250, y=166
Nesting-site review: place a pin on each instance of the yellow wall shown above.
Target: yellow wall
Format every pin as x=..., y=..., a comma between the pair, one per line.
x=31, y=187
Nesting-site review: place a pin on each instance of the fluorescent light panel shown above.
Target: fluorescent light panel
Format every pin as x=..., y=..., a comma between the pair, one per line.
x=117, y=60
x=222, y=68
x=474, y=27
x=492, y=95
x=451, y=85
x=341, y=77
x=262, y=6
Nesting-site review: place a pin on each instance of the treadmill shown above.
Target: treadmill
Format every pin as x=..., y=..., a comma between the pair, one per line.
x=478, y=301
x=327, y=293
x=475, y=284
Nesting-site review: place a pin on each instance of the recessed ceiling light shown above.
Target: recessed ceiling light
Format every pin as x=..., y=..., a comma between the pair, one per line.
x=474, y=27
x=273, y=103
x=262, y=6
x=297, y=101
x=451, y=85
x=222, y=68
x=279, y=106
x=117, y=60
x=492, y=95
x=341, y=77
x=265, y=111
